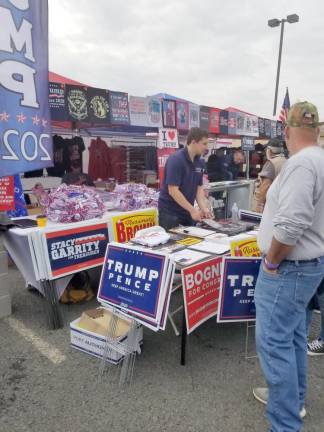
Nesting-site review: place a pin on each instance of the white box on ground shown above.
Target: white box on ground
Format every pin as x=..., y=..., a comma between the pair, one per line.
x=94, y=343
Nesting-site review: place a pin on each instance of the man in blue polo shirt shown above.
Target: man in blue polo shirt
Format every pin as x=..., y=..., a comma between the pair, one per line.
x=182, y=184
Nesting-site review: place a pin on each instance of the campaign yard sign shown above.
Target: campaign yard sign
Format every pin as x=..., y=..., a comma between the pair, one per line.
x=25, y=132
x=75, y=249
x=126, y=225
x=236, y=298
x=133, y=280
x=201, y=284
x=247, y=247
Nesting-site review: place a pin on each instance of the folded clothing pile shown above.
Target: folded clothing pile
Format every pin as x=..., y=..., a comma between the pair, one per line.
x=72, y=204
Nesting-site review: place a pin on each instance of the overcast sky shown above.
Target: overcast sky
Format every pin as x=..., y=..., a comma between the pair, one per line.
x=212, y=52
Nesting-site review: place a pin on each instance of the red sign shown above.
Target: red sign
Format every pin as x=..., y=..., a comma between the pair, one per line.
x=214, y=120
x=201, y=284
x=162, y=156
x=7, y=194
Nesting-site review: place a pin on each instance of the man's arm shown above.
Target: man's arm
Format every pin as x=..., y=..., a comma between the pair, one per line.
x=203, y=203
x=278, y=251
x=180, y=199
x=295, y=214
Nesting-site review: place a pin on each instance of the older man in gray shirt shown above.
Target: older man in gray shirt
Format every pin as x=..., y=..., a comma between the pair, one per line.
x=291, y=239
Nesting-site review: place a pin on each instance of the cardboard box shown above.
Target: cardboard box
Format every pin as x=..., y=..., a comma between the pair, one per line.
x=32, y=210
x=88, y=334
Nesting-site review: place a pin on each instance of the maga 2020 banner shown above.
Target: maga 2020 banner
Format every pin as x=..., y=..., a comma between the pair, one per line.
x=25, y=135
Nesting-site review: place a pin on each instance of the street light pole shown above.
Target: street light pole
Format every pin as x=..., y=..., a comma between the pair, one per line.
x=275, y=23
x=279, y=65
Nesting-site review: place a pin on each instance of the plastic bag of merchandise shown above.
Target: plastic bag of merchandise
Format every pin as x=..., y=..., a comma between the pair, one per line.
x=133, y=196
x=73, y=204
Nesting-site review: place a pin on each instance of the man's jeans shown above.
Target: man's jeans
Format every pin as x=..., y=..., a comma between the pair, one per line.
x=281, y=299
x=316, y=302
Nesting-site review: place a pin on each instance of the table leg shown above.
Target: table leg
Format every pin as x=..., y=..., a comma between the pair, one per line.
x=54, y=313
x=183, y=339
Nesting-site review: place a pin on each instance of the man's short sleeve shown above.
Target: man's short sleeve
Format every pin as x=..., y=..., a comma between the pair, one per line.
x=173, y=171
x=268, y=171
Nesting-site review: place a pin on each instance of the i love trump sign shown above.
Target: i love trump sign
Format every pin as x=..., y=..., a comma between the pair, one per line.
x=168, y=138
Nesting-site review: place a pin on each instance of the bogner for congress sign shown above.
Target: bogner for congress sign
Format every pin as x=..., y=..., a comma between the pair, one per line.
x=201, y=284
x=25, y=134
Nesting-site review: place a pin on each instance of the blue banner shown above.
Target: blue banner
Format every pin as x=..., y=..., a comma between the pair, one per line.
x=25, y=133
x=236, y=299
x=132, y=280
x=76, y=249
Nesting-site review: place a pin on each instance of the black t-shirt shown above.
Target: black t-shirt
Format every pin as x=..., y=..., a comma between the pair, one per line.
x=77, y=179
x=58, y=169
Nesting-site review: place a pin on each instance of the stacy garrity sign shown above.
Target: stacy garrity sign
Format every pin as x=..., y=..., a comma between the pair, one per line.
x=75, y=249
x=25, y=138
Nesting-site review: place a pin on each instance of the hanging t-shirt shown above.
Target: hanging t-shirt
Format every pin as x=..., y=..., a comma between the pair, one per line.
x=59, y=167
x=98, y=106
x=118, y=166
x=75, y=147
x=99, y=161
x=57, y=102
x=76, y=97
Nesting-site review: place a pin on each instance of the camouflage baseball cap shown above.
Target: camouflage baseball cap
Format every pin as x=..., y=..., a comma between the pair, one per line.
x=303, y=115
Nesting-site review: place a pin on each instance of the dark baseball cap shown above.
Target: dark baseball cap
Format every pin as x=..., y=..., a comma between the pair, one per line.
x=276, y=145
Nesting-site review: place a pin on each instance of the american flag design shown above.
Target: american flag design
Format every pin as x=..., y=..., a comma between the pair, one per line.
x=285, y=108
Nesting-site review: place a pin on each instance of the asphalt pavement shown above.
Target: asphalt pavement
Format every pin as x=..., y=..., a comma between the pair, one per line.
x=46, y=386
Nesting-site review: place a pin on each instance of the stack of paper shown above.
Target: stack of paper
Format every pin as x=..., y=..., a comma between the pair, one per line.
x=193, y=231
x=210, y=247
x=137, y=282
x=187, y=257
